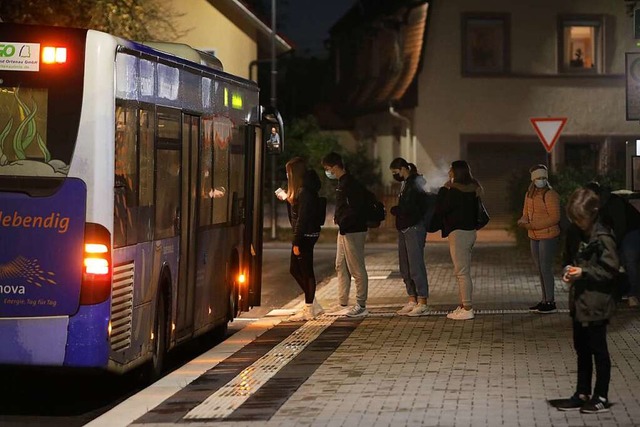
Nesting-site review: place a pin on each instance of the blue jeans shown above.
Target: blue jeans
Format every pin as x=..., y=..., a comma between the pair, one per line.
x=411, y=259
x=543, y=253
x=630, y=254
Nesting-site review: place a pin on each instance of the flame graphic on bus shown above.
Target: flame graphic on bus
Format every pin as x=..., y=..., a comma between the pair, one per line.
x=29, y=269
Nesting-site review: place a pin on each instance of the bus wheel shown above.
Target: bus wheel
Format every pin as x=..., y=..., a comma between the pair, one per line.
x=234, y=308
x=158, y=361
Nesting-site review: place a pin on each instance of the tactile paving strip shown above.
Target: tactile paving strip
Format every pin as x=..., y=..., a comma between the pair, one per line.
x=375, y=312
x=229, y=397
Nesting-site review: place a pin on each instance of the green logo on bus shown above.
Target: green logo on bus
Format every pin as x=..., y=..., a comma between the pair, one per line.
x=7, y=50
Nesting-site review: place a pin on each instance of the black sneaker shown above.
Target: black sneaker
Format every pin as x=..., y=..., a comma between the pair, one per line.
x=574, y=403
x=535, y=308
x=596, y=405
x=547, y=307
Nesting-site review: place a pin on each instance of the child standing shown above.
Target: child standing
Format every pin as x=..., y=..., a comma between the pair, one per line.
x=591, y=266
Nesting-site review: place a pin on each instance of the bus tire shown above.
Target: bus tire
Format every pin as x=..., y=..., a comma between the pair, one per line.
x=233, y=310
x=159, y=356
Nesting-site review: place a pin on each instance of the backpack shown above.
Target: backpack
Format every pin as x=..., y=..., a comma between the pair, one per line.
x=375, y=211
x=428, y=202
x=321, y=211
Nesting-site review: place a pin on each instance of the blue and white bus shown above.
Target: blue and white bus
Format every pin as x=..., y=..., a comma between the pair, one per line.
x=130, y=197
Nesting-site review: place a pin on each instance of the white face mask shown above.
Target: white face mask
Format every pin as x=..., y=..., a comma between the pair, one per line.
x=540, y=183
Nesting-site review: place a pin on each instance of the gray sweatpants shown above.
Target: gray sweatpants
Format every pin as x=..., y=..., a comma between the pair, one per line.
x=460, y=245
x=350, y=261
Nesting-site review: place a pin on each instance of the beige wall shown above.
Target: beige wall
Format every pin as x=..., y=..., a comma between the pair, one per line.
x=208, y=29
x=451, y=105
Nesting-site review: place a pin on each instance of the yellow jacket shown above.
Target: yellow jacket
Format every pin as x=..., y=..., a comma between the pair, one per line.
x=541, y=214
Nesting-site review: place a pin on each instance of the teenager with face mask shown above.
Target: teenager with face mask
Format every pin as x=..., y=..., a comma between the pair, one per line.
x=541, y=219
x=351, y=218
x=409, y=213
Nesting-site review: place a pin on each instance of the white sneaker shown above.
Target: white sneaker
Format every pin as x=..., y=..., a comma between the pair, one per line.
x=461, y=314
x=305, y=314
x=633, y=301
x=338, y=311
x=357, y=311
x=407, y=308
x=418, y=310
x=317, y=308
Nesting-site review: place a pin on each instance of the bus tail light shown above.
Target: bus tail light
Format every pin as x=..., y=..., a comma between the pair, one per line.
x=54, y=55
x=96, y=274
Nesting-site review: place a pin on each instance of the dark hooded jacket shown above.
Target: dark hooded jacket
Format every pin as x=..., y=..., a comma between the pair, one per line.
x=592, y=297
x=303, y=215
x=457, y=207
x=618, y=214
x=350, y=213
x=411, y=203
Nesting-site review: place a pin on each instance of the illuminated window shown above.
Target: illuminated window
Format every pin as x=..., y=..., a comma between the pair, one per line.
x=580, y=44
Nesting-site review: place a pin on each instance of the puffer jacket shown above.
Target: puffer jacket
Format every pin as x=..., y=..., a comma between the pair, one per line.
x=592, y=297
x=542, y=212
x=303, y=214
x=457, y=207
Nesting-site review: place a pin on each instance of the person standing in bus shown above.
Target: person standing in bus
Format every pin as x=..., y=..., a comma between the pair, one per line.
x=302, y=205
x=350, y=216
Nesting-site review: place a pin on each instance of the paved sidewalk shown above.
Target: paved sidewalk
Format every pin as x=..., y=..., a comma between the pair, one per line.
x=389, y=370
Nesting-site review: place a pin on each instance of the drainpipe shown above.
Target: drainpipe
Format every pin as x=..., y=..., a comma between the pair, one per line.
x=407, y=121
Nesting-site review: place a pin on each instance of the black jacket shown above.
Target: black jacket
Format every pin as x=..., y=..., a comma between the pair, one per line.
x=457, y=207
x=592, y=297
x=618, y=214
x=350, y=214
x=411, y=203
x=303, y=214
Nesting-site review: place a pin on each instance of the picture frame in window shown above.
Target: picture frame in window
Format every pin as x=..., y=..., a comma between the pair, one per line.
x=635, y=173
x=485, y=44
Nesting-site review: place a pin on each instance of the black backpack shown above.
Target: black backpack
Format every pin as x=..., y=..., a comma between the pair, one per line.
x=428, y=202
x=375, y=211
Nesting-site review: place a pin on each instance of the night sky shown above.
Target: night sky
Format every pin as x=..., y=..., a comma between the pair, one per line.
x=308, y=22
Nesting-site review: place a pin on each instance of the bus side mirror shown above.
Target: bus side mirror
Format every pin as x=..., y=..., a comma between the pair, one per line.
x=273, y=130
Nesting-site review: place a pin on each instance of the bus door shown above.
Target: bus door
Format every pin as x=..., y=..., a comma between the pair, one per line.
x=254, y=171
x=188, y=226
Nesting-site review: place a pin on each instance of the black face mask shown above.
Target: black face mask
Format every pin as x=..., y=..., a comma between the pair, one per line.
x=398, y=177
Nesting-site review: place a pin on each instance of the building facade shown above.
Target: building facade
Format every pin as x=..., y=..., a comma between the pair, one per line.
x=229, y=30
x=486, y=68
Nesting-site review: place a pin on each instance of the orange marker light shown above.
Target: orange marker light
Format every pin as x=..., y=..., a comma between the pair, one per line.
x=95, y=248
x=241, y=278
x=61, y=55
x=52, y=55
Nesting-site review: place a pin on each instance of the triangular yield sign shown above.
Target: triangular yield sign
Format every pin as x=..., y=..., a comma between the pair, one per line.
x=548, y=130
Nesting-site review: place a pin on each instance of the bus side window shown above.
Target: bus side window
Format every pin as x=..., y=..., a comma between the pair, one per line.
x=222, y=130
x=146, y=134
x=126, y=177
x=168, y=194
